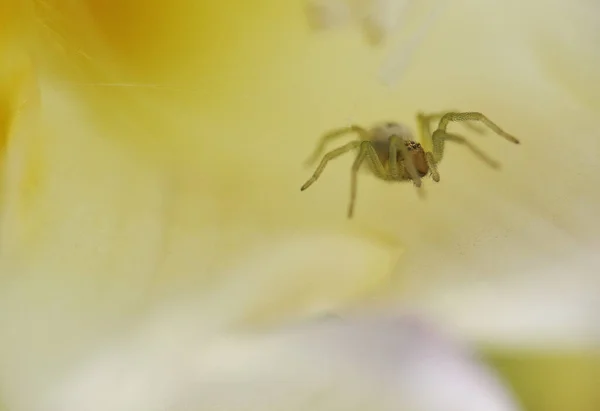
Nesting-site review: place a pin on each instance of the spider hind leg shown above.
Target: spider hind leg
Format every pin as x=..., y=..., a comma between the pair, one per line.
x=367, y=151
x=326, y=158
x=332, y=135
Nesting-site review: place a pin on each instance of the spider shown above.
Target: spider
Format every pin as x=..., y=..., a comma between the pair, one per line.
x=394, y=155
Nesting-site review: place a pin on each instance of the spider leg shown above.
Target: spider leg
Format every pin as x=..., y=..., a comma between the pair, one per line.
x=396, y=143
x=435, y=175
x=363, y=153
x=330, y=156
x=333, y=134
x=471, y=116
x=376, y=166
x=439, y=137
x=428, y=118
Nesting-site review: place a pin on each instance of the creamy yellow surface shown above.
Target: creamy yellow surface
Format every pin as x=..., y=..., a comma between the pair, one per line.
x=152, y=152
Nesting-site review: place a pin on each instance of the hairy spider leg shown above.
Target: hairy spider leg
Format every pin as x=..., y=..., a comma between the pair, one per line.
x=366, y=151
x=440, y=135
x=424, y=125
x=333, y=134
x=435, y=175
x=473, y=116
x=327, y=157
x=426, y=120
x=437, y=144
x=353, y=179
x=425, y=137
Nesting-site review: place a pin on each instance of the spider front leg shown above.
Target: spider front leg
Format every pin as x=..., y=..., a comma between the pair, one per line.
x=326, y=158
x=425, y=120
x=440, y=136
x=473, y=116
x=435, y=175
x=333, y=134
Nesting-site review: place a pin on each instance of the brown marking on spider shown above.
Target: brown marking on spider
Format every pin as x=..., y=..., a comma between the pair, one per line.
x=394, y=155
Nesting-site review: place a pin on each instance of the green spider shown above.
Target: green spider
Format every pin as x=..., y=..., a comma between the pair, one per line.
x=394, y=155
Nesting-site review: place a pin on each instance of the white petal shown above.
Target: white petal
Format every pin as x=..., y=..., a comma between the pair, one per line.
x=368, y=363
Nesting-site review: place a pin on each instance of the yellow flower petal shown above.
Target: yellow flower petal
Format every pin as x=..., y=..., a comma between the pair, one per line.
x=163, y=160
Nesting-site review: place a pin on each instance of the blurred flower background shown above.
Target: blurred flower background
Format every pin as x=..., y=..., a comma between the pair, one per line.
x=152, y=155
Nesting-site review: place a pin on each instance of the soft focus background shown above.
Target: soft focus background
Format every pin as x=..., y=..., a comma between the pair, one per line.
x=152, y=157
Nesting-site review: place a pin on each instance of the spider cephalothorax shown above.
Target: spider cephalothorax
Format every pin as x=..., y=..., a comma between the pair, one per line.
x=415, y=152
x=394, y=155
